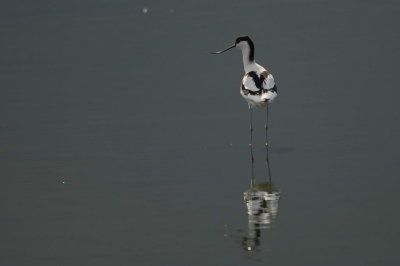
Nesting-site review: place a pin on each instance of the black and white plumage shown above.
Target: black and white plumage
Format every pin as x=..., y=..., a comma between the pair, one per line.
x=258, y=86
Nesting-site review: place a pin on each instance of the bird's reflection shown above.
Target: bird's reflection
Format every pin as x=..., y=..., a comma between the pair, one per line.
x=262, y=200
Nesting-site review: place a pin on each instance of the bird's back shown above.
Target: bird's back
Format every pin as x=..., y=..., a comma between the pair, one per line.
x=258, y=87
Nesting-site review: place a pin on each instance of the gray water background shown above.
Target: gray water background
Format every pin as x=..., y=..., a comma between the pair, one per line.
x=124, y=142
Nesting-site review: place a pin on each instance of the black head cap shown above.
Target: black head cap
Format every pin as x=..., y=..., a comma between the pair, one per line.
x=243, y=38
x=247, y=39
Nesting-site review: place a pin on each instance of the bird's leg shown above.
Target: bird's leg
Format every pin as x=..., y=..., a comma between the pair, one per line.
x=251, y=145
x=251, y=126
x=267, y=148
x=266, y=130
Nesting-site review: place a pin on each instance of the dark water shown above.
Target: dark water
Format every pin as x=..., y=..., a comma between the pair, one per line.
x=124, y=142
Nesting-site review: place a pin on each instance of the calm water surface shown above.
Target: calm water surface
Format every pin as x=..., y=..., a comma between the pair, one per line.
x=124, y=142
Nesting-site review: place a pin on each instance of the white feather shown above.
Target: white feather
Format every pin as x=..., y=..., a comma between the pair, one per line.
x=269, y=82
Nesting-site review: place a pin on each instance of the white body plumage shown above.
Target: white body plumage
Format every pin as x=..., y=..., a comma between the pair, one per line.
x=258, y=88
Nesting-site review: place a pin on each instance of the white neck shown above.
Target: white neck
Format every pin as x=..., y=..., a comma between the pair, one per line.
x=247, y=64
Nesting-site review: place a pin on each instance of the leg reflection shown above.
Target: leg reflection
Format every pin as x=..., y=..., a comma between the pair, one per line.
x=262, y=200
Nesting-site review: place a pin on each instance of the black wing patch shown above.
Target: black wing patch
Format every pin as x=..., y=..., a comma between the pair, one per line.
x=258, y=80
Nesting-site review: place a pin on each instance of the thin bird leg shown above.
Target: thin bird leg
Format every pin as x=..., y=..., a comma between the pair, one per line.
x=251, y=126
x=251, y=145
x=267, y=148
x=266, y=129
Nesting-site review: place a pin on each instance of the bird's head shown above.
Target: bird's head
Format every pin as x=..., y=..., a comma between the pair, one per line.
x=244, y=43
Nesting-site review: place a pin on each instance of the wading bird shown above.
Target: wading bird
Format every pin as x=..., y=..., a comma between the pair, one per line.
x=258, y=87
